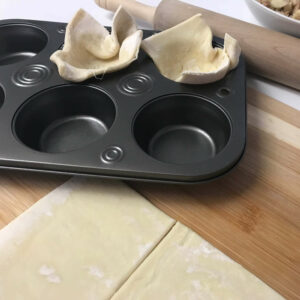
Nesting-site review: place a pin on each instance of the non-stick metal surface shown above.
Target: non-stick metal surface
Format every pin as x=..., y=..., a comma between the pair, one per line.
x=133, y=124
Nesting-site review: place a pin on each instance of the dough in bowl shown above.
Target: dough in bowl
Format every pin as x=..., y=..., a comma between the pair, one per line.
x=184, y=53
x=90, y=50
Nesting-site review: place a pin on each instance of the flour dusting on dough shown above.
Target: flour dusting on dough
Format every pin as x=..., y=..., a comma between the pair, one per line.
x=108, y=282
x=191, y=269
x=208, y=250
x=198, y=268
x=93, y=270
x=196, y=284
x=53, y=278
x=46, y=271
x=144, y=248
x=14, y=234
x=205, y=249
x=49, y=273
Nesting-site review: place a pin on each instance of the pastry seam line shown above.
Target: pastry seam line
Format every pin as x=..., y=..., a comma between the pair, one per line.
x=143, y=260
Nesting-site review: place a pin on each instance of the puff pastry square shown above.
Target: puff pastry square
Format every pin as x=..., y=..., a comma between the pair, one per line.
x=90, y=50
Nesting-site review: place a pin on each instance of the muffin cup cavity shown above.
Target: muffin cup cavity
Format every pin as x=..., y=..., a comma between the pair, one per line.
x=182, y=129
x=65, y=118
x=19, y=42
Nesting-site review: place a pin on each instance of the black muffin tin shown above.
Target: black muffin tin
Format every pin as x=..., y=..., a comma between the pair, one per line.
x=133, y=124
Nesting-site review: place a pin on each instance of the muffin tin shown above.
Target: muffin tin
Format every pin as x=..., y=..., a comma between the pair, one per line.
x=133, y=124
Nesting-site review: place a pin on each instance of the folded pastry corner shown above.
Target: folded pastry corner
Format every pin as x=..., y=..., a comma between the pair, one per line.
x=184, y=53
x=233, y=50
x=90, y=50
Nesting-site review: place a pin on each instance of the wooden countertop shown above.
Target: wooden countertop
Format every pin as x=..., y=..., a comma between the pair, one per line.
x=252, y=214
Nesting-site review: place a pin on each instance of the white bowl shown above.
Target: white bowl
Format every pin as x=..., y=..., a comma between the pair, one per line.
x=273, y=19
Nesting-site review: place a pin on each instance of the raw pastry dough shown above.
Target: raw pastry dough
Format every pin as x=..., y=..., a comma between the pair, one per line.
x=92, y=239
x=184, y=266
x=184, y=53
x=82, y=242
x=90, y=50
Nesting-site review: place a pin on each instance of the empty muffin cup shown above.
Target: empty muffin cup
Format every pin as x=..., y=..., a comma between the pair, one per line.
x=64, y=118
x=182, y=129
x=19, y=42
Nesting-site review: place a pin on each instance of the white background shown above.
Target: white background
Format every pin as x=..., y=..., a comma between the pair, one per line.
x=63, y=10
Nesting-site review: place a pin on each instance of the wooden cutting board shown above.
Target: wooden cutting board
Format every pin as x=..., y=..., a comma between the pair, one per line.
x=252, y=214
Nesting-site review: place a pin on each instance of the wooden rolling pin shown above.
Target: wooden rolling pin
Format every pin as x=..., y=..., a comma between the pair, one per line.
x=270, y=54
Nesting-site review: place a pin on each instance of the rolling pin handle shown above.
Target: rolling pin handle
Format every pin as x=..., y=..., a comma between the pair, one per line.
x=137, y=9
x=270, y=54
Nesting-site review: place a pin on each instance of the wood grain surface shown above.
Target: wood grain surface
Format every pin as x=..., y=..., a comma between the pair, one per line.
x=252, y=214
